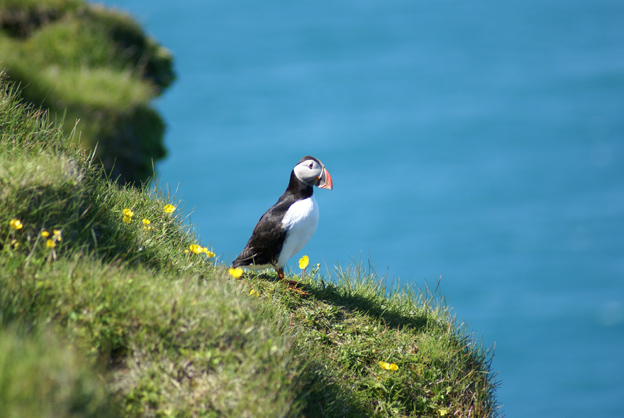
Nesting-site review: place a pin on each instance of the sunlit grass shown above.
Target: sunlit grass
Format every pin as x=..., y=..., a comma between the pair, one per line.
x=97, y=88
x=399, y=352
x=146, y=315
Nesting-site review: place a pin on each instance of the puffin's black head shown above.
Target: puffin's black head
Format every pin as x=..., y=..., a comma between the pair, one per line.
x=312, y=172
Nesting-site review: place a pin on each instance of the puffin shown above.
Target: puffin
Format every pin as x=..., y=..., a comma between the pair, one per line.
x=289, y=224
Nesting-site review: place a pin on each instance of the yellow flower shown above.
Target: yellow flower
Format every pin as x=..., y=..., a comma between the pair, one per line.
x=388, y=366
x=146, y=222
x=56, y=235
x=127, y=219
x=45, y=234
x=236, y=272
x=15, y=244
x=128, y=213
x=254, y=292
x=303, y=262
x=197, y=249
x=169, y=208
x=443, y=412
x=16, y=224
x=50, y=243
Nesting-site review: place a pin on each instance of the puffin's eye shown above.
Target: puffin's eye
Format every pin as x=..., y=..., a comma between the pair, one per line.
x=311, y=165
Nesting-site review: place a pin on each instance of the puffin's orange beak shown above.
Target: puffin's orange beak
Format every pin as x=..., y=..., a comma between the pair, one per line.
x=325, y=180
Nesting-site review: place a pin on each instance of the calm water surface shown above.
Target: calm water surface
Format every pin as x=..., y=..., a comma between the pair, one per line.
x=481, y=142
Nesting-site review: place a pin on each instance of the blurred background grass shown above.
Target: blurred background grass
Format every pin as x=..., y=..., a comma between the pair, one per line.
x=86, y=63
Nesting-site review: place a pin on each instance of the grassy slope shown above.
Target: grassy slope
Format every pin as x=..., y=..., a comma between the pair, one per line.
x=131, y=324
x=95, y=65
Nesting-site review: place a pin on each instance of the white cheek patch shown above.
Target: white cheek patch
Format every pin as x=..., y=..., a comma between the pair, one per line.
x=304, y=172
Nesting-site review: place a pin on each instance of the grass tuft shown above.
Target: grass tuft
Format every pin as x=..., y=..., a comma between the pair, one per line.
x=42, y=376
x=110, y=296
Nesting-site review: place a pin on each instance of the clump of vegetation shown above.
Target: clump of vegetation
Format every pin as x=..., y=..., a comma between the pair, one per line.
x=145, y=321
x=94, y=65
x=41, y=376
x=114, y=271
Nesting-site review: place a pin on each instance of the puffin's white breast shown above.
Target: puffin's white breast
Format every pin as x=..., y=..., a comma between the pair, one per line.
x=300, y=221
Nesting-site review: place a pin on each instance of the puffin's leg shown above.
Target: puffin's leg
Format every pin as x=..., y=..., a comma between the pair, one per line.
x=280, y=273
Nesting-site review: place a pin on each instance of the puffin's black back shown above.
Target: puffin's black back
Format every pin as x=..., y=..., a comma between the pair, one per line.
x=268, y=236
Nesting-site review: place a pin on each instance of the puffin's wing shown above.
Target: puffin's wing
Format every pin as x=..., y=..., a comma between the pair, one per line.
x=266, y=241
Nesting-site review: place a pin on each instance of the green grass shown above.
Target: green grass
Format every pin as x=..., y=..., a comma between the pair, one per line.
x=42, y=376
x=122, y=320
x=87, y=63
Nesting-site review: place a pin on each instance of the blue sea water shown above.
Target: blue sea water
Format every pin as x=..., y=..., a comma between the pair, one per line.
x=477, y=141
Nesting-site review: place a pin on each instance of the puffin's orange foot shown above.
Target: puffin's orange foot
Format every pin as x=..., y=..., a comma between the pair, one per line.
x=295, y=289
x=292, y=284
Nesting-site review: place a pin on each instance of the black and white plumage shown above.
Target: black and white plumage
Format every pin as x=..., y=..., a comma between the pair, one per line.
x=289, y=224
